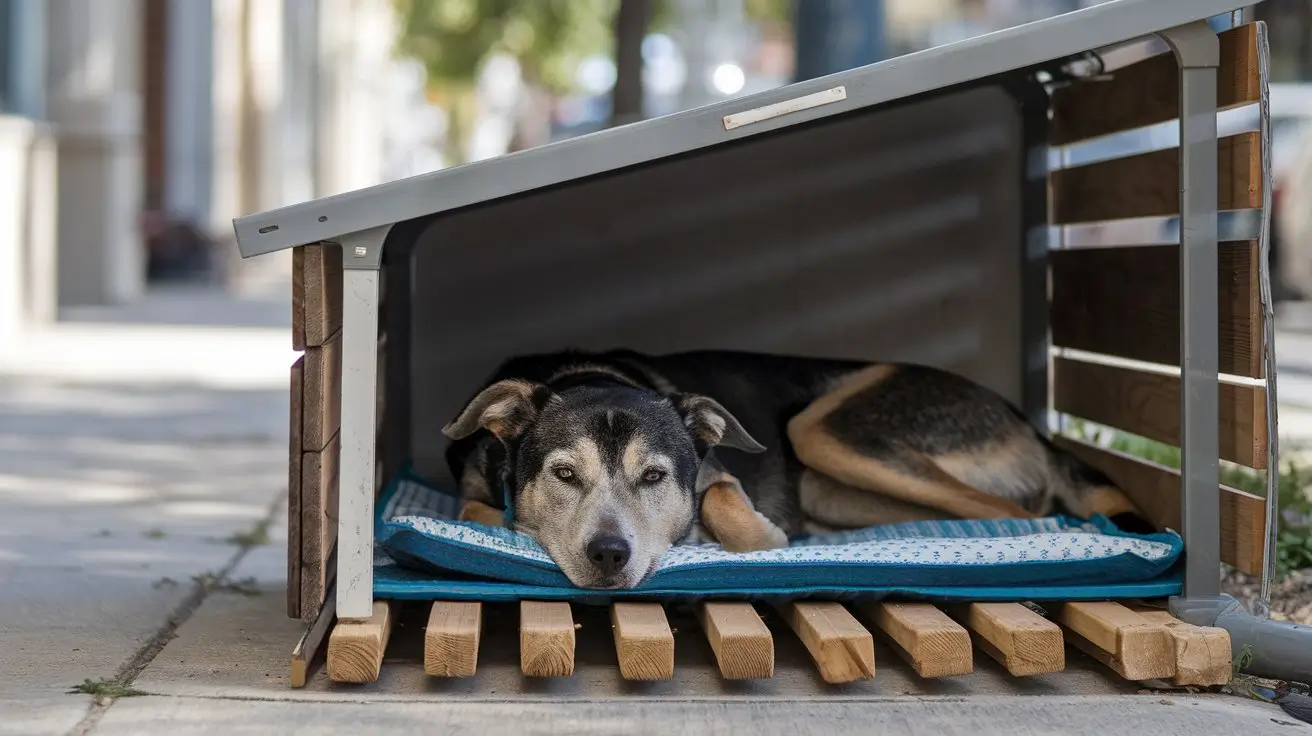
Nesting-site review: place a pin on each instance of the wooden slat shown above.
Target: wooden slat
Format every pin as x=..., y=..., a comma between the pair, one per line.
x=546, y=639
x=311, y=639
x=319, y=481
x=743, y=646
x=1202, y=653
x=294, y=491
x=451, y=639
x=1148, y=404
x=644, y=643
x=322, y=408
x=1018, y=638
x=931, y=642
x=355, y=650
x=316, y=294
x=842, y=648
x=1134, y=647
x=1148, y=92
x=1148, y=185
x=1126, y=302
x=1155, y=489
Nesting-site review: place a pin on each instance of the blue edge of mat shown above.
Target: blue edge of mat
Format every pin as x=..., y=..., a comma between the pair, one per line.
x=411, y=565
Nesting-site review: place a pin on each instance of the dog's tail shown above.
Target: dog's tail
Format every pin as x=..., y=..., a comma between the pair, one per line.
x=1085, y=491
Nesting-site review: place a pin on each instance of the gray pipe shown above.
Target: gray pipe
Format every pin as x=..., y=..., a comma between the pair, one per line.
x=1274, y=649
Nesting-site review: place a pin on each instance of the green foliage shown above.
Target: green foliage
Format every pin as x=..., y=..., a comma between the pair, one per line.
x=1294, y=543
x=105, y=689
x=549, y=37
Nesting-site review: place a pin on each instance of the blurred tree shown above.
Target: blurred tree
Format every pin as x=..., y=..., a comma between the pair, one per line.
x=632, y=20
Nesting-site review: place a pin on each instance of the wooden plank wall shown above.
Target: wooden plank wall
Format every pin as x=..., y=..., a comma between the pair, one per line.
x=1123, y=302
x=316, y=398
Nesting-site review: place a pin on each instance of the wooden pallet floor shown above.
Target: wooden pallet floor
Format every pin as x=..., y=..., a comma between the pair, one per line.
x=721, y=647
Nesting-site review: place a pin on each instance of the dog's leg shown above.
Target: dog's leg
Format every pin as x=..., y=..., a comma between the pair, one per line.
x=735, y=523
x=840, y=506
x=901, y=474
x=481, y=513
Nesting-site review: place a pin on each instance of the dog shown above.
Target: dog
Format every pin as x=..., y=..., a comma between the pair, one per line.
x=609, y=458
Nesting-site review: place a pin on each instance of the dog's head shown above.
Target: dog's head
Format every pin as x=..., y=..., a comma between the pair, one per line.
x=602, y=477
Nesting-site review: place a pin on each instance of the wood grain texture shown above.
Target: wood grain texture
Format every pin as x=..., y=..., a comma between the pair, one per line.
x=451, y=639
x=1134, y=647
x=841, y=647
x=322, y=408
x=1202, y=653
x=644, y=643
x=1148, y=92
x=1019, y=639
x=546, y=639
x=1155, y=489
x=927, y=638
x=740, y=640
x=1148, y=404
x=1126, y=302
x=1148, y=185
x=355, y=649
x=294, y=451
x=319, y=486
x=311, y=641
x=316, y=294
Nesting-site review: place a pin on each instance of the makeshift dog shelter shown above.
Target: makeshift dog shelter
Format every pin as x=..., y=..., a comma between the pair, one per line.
x=909, y=210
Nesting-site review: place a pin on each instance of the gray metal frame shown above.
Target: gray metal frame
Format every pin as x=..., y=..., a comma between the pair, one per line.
x=360, y=222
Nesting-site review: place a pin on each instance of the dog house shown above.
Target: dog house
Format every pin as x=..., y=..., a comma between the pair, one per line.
x=928, y=208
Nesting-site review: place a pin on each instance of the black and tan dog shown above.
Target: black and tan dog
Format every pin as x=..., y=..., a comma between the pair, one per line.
x=610, y=458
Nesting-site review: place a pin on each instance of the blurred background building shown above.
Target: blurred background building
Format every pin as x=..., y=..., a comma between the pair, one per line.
x=133, y=131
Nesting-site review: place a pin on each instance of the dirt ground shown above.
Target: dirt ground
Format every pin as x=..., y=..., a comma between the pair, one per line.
x=1291, y=598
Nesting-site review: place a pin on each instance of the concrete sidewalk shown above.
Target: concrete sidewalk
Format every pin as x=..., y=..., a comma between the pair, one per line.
x=142, y=537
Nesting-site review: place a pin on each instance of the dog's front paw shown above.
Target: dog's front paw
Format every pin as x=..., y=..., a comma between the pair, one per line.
x=481, y=513
x=737, y=526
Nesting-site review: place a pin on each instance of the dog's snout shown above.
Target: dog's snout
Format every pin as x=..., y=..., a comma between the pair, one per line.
x=609, y=553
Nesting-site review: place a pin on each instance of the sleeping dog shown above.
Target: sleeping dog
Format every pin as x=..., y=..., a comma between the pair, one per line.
x=608, y=459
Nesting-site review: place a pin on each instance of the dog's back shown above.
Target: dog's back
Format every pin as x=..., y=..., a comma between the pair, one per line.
x=848, y=443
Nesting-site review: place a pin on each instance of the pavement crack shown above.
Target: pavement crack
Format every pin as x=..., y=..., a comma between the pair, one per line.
x=203, y=585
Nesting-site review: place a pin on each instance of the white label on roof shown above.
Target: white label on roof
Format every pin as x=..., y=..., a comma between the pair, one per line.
x=797, y=104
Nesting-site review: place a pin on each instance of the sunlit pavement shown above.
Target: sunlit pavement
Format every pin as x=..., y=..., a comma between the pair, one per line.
x=143, y=458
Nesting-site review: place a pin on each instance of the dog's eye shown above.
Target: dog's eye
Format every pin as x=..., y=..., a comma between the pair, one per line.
x=654, y=475
x=563, y=473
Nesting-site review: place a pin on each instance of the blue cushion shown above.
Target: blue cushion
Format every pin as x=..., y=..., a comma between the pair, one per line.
x=424, y=554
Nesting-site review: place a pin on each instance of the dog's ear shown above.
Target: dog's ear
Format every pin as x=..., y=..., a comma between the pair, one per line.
x=505, y=409
x=713, y=424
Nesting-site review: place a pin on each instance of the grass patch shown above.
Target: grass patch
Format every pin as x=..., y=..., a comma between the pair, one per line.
x=1293, y=544
x=105, y=689
x=154, y=534
x=256, y=536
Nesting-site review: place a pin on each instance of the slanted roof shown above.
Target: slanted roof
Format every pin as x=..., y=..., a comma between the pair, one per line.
x=972, y=60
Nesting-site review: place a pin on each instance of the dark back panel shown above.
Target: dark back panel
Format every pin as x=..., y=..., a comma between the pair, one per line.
x=889, y=235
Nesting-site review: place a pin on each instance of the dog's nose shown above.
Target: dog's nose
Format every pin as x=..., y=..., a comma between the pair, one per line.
x=609, y=554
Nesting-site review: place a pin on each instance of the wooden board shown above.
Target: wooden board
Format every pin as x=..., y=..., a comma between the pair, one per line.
x=1134, y=647
x=1148, y=91
x=294, y=491
x=546, y=639
x=451, y=639
x=1148, y=404
x=1126, y=302
x=322, y=407
x=743, y=646
x=1202, y=653
x=842, y=648
x=311, y=640
x=1148, y=185
x=316, y=294
x=355, y=650
x=644, y=643
x=1155, y=489
x=1018, y=638
x=931, y=642
x=319, y=483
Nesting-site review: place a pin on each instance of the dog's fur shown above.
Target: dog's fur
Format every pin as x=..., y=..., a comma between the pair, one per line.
x=639, y=450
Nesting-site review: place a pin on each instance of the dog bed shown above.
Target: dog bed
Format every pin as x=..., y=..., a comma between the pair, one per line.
x=423, y=553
